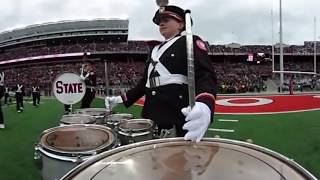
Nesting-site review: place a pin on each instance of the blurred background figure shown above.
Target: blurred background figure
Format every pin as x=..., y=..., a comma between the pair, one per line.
x=89, y=78
x=19, y=89
x=36, y=95
x=2, y=91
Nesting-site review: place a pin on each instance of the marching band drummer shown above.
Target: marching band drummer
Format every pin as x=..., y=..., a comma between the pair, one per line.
x=165, y=85
x=89, y=78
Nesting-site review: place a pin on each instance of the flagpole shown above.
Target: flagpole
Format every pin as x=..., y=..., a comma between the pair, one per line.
x=281, y=48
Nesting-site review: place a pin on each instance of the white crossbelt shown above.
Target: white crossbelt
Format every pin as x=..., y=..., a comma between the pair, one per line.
x=165, y=77
x=19, y=87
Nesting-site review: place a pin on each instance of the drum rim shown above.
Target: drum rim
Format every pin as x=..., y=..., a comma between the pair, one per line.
x=119, y=114
x=85, y=110
x=290, y=162
x=148, y=121
x=89, y=117
x=56, y=152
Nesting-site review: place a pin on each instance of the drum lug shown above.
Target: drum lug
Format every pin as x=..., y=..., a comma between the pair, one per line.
x=79, y=159
x=37, y=158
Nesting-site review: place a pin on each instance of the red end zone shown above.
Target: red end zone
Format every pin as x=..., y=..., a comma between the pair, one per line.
x=264, y=104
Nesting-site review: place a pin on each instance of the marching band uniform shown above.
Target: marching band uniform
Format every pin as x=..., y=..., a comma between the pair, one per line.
x=36, y=96
x=164, y=84
x=6, y=95
x=90, y=81
x=19, y=97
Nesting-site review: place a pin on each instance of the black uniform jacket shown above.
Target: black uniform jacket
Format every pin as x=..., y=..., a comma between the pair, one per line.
x=91, y=80
x=163, y=104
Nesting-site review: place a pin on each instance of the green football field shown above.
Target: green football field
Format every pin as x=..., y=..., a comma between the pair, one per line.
x=295, y=135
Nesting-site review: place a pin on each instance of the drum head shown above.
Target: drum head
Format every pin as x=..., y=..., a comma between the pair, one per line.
x=73, y=139
x=136, y=125
x=77, y=119
x=93, y=111
x=175, y=159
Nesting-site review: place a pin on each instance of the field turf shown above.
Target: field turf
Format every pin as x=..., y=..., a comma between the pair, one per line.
x=295, y=135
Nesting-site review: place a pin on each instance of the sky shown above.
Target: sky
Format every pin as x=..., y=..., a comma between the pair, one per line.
x=217, y=21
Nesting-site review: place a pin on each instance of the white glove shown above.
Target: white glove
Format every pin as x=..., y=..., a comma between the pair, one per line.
x=197, y=121
x=82, y=77
x=113, y=101
x=106, y=103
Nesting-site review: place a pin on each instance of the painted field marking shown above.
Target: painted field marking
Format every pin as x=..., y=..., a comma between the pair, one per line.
x=228, y=120
x=221, y=130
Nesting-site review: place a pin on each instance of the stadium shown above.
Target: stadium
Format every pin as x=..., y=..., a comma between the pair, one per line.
x=250, y=106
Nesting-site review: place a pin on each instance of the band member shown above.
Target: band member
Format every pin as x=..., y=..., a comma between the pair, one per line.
x=2, y=89
x=89, y=78
x=36, y=96
x=6, y=96
x=19, y=89
x=165, y=84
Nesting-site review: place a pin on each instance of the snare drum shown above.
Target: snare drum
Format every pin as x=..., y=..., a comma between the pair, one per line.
x=113, y=120
x=135, y=130
x=77, y=119
x=98, y=113
x=175, y=158
x=62, y=148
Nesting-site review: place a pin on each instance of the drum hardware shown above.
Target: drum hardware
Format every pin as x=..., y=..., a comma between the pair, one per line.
x=37, y=157
x=168, y=133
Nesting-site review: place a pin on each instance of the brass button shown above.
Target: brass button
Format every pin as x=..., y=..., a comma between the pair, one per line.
x=153, y=93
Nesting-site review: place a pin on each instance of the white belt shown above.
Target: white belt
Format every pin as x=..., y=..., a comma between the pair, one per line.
x=168, y=79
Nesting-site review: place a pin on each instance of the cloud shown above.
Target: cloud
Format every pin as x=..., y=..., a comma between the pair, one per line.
x=218, y=21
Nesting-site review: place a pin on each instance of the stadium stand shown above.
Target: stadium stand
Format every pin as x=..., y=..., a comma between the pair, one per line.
x=37, y=54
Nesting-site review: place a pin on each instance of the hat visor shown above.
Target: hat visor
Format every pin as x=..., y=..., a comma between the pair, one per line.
x=174, y=16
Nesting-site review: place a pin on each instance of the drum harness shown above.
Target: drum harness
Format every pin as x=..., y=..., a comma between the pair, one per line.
x=159, y=75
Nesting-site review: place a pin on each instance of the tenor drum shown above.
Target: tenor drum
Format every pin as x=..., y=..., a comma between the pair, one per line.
x=135, y=130
x=62, y=148
x=70, y=119
x=175, y=159
x=113, y=120
x=99, y=114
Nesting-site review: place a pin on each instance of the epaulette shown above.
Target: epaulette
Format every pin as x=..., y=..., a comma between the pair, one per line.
x=201, y=45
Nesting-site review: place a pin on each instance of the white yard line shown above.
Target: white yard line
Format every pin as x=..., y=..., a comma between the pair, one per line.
x=221, y=130
x=228, y=120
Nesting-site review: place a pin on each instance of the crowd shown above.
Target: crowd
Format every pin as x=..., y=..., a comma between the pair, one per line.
x=137, y=46
x=241, y=77
x=43, y=49
x=307, y=48
x=120, y=74
x=233, y=77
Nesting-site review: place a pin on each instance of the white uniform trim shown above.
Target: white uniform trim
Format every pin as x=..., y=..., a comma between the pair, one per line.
x=19, y=87
x=165, y=76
